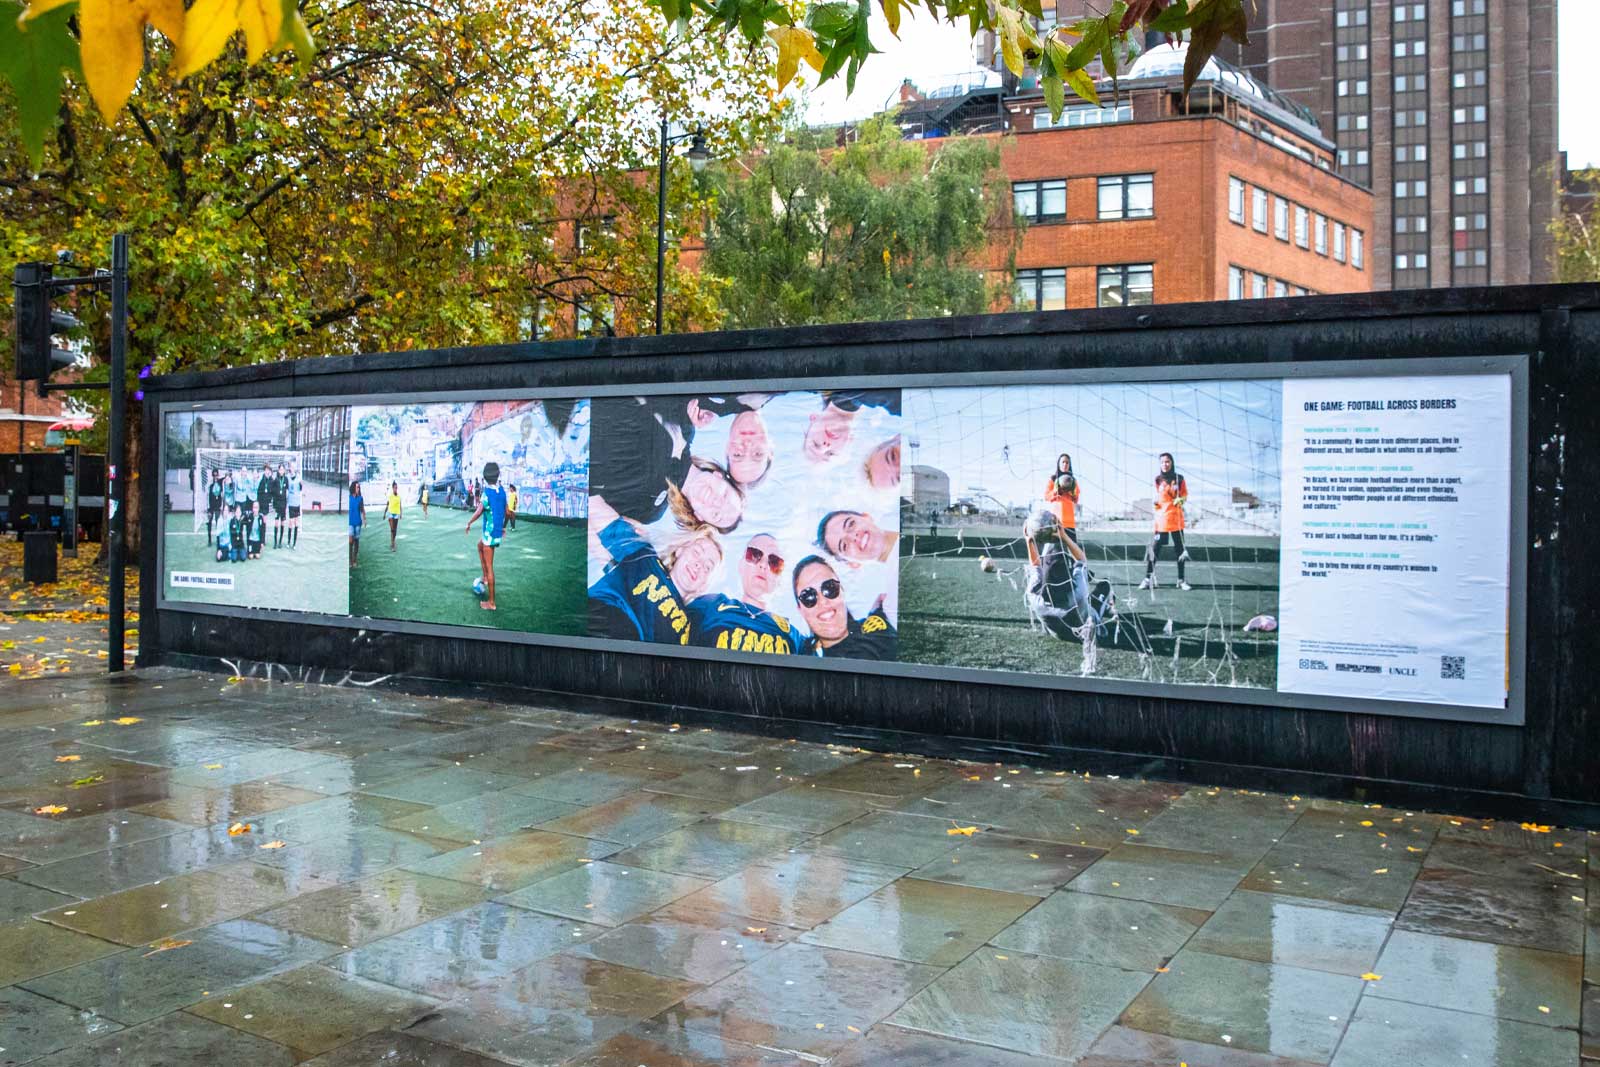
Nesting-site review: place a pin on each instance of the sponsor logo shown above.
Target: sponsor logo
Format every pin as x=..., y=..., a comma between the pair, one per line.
x=1404, y=672
x=1313, y=665
x=1358, y=668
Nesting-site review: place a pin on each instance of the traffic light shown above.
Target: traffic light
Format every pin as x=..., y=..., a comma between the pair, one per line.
x=37, y=323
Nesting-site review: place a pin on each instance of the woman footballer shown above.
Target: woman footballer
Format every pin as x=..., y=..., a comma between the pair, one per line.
x=1172, y=493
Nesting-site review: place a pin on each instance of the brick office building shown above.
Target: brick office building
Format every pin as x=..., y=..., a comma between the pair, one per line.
x=1148, y=200
x=1446, y=109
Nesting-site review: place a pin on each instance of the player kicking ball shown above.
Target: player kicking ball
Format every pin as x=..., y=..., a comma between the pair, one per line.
x=492, y=506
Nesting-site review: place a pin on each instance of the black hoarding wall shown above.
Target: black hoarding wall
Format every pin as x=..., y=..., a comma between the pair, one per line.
x=1548, y=768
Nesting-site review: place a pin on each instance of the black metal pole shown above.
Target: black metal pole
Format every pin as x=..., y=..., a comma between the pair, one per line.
x=116, y=472
x=661, y=228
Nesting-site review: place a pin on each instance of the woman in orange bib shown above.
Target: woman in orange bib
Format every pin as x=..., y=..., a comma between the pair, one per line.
x=1172, y=493
x=1062, y=492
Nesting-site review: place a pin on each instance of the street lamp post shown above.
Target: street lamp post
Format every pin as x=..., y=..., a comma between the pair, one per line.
x=698, y=154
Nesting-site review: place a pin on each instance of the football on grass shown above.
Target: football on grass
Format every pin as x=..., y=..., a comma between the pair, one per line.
x=478, y=586
x=986, y=564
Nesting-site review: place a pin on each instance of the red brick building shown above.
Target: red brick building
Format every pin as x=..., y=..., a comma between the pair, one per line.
x=24, y=415
x=1151, y=200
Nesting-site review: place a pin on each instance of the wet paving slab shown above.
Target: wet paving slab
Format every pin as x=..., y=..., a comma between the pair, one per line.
x=451, y=882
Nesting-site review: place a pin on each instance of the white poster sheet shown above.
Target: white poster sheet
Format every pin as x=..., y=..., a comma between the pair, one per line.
x=1396, y=538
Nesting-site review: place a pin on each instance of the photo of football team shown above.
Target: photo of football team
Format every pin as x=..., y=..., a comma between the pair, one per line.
x=757, y=522
x=252, y=500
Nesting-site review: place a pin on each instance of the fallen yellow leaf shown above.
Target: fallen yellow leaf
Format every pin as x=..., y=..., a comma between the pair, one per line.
x=213, y=766
x=1544, y=1009
x=961, y=831
x=95, y=722
x=1370, y=977
x=68, y=759
x=50, y=809
x=166, y=944
x=1381, y=870
x=127, y=720
x=1535, y=828
x=238, y=828
x=1135, y=833
x=1366, y=822
x=755, y=929
x=273, y=844
x=88, y=779
x=1033, y=855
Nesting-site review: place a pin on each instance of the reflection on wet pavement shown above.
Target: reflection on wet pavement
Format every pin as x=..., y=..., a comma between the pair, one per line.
x=261, y=874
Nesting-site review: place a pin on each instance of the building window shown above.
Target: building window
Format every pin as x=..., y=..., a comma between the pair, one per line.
x=1041, y=290
x=1126, y=286
x=1402, y=261
x=1258, y=286
x=1338, y=241
x=1302, y=225
x=594, y=317
x=1043, y=201
x=1280, y=217
x=1236, y=201
x=1355, y=249
x=1322, y=235
x=1279, y=287
x=1235, y=283
x=1258, y=209
x=1127, y=196
x=1420, y=260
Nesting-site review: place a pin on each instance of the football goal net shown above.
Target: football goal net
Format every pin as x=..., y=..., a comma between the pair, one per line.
x=243, y=466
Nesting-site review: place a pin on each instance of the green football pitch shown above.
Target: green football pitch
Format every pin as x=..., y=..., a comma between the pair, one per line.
x=309, y=577
x=539, y=573
x=954, y=614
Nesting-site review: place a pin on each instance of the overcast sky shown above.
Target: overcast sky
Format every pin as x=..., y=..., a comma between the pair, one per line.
x=929, y=52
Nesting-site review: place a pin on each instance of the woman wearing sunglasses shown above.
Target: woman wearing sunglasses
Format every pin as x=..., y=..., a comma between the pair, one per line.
x=745, y=625
x=834, y=632
x=641, y=596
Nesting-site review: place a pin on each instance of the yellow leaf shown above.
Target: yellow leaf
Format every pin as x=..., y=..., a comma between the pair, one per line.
x=111, y=47
x=239, y=828
x=166, y=944
x=1366, y=822
x=1033, y=855
x=1370, y=977
x=206, y=29
x=50, y=809
x=1135, y=833
x=213, y=767
x=263, y=25
x=68, y=759
x=1535, y=828
x=794, y=44
x=1381, y=870
x=1544, y=1009
x=95, y=722
x=755, y=929
x=891, y=15
x=273, y=844
x=127, y=720
x=963, y=831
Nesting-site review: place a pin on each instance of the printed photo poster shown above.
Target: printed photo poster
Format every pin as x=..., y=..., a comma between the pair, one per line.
x=1396, y=569
x=758, y=522
x=1124, y=531
x=470, y=513
x=253, y=504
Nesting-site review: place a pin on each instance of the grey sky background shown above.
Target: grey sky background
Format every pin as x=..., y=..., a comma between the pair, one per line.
x=931, y=52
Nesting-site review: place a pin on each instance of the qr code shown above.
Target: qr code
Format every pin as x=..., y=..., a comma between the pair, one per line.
x=1453, y=667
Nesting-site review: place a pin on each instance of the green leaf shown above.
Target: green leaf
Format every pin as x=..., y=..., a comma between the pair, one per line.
x=832, y=21
x=32, y=57
x=1173, y=19
x=1055, y=95
x=1080, y=83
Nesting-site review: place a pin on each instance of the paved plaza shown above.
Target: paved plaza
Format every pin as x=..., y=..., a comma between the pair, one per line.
x=198, y=870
